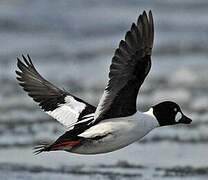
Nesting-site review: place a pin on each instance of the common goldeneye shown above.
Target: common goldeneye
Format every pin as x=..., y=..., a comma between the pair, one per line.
x=115, y=123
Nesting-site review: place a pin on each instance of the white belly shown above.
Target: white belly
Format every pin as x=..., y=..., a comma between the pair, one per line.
x=118, y=132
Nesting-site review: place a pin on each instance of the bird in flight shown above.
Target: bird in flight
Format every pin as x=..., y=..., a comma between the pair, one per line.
x=115, y=122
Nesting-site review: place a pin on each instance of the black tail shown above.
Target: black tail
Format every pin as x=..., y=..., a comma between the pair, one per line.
x=41, y=148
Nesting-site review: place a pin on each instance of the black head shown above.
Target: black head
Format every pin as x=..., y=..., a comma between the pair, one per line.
x=169, y=113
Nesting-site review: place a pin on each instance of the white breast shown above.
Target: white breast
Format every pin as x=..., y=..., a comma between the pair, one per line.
x=118, y=132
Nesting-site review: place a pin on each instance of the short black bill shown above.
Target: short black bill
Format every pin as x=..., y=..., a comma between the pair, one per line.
x=185, y=120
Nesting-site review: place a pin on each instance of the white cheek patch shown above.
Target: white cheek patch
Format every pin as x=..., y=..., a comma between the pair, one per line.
x=178, y=116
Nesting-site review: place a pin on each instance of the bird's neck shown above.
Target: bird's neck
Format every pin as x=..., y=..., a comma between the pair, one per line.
x=148, y=119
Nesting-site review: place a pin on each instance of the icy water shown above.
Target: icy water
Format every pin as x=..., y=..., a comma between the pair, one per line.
x=71, y=43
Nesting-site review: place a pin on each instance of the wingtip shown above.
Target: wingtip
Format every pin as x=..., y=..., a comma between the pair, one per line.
x=18, y=73
x=25, y=62
x=23, y=57
x=20, y=64
x=28, y=56
x=133, y=26
x=150, y=15
x=18, y=61
x=144, y=13
x=151, y=24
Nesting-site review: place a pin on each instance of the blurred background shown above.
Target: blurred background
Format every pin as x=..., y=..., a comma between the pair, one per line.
x=71, y=43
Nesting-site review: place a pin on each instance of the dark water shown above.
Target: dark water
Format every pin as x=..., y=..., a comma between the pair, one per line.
x=71, y=44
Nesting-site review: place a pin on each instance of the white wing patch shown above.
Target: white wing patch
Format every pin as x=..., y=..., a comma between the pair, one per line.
x=68, y=113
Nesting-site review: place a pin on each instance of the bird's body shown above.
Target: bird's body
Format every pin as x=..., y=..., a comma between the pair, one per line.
x=115, y=122
x=113, y=134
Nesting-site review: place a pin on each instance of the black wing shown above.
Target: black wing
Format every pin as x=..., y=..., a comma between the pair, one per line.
x=59, y=104
x=130, y=65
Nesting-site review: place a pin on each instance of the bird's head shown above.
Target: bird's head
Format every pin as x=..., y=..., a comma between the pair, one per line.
x=169, y=113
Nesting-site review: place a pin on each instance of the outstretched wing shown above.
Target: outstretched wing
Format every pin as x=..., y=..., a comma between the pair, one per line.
x=130, y=65
x=59, y=104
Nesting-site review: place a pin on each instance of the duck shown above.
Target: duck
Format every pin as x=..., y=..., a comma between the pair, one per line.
x=115, y=123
